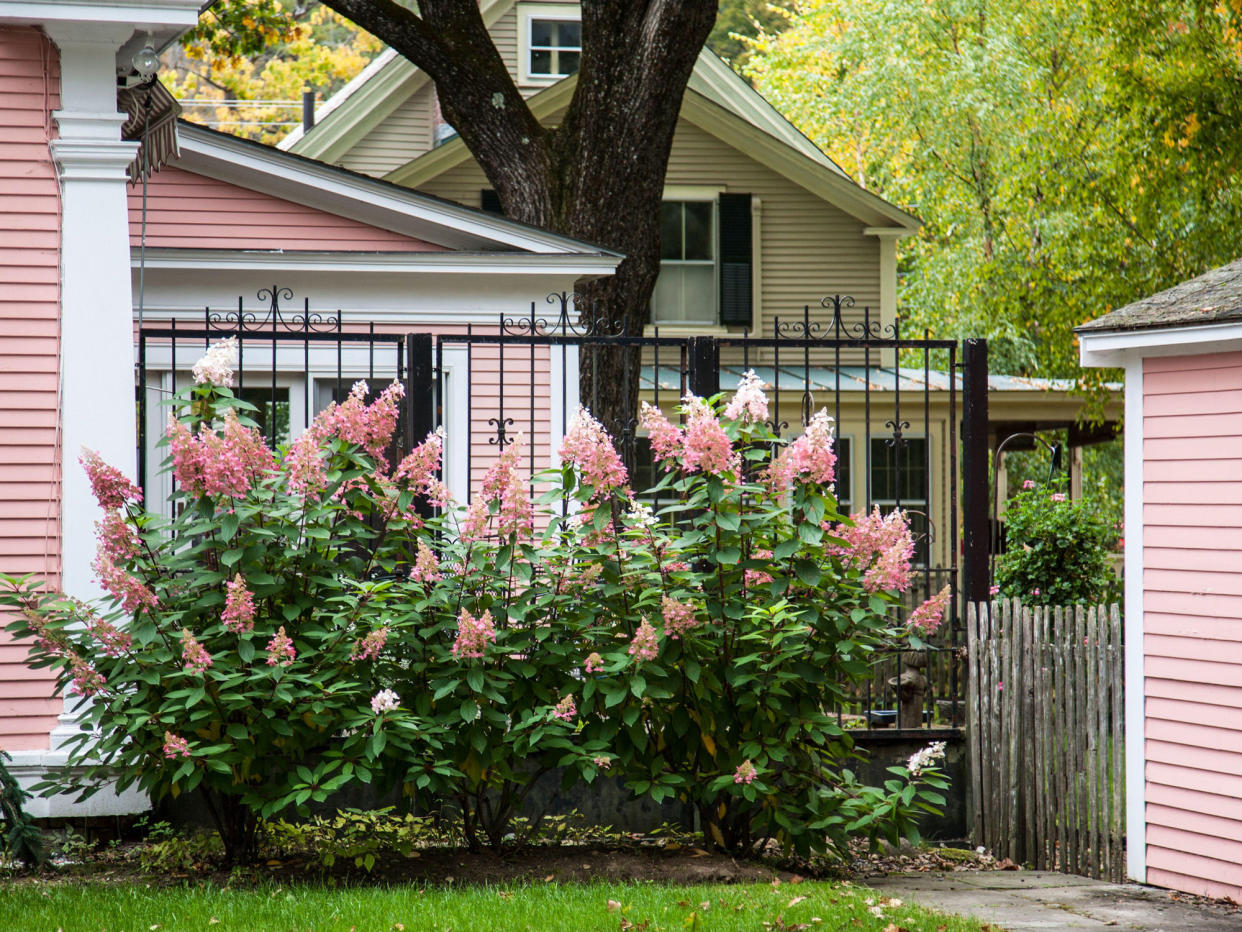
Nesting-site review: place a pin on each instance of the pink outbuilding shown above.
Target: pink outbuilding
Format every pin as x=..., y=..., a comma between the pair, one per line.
x=1182, y=354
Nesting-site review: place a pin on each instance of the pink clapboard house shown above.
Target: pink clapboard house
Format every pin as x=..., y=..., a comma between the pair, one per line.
x=87, y=248
x=1182, y=354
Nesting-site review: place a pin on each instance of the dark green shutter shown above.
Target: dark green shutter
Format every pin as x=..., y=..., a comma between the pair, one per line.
x=490, y=202
x=735, y=260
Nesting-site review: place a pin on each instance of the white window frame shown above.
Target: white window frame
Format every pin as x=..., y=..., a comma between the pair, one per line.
x=689, y=197
x=528, y=13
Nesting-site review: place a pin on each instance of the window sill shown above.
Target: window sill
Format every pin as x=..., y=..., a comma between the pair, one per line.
x=687, y=330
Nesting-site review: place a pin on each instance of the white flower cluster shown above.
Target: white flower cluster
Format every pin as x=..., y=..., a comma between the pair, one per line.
x=641, y=515
x=921, y=760
x=749, y=403
x=385, y=701
x=216, y=367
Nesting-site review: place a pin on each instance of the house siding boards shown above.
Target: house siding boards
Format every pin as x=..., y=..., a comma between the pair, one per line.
x=193, y=211
x=29, y=360
x=809, y=248
x=1192, y=596
x=406, y=132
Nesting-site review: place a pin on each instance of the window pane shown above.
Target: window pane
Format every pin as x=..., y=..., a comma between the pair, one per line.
x=541, y=32
x=569, y=35
x=844, y=493
x=684, y=293
x=262, y=399
x=540, y=62
x=567, y=62
x=899, y=472
x=670, y=230
x=699, y=230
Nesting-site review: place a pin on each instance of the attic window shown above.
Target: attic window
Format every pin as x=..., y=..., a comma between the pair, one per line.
x=551, y=41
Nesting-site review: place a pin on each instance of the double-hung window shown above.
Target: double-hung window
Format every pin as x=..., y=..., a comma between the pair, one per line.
x=685, y=292
x=551, y=42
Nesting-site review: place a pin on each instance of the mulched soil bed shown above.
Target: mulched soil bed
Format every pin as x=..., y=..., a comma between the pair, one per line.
x=662, y=860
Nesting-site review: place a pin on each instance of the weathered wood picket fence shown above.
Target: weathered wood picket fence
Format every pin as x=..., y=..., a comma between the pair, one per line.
x=1045, y=733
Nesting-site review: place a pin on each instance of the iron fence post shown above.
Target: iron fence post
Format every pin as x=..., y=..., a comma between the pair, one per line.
x=703, y=364
x=420, y=389
x=975, y=576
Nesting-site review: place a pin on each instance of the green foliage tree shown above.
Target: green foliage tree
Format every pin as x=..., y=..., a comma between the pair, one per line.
x=1066, y=158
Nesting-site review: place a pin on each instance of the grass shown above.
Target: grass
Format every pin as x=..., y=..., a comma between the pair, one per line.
x=135, y=907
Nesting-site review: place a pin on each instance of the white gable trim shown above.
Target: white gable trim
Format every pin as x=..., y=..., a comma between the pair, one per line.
x=336, y=191
x=1114, y=347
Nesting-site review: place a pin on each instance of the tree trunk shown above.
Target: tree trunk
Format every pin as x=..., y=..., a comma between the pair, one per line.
x=599, y=175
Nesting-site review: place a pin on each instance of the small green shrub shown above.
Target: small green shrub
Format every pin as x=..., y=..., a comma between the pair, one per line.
x=1057, y=550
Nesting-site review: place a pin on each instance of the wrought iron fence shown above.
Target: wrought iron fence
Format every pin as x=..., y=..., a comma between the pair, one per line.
x=897, y=417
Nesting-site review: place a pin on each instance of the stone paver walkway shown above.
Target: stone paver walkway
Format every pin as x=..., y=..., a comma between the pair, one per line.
x=1023, y=900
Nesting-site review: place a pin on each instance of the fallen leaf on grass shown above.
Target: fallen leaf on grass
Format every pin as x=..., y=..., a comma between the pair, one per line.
x=1007, y=865
x=613, y=906
x=794, y=902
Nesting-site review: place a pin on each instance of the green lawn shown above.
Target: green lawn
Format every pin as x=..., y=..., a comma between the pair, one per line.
x=134, y=907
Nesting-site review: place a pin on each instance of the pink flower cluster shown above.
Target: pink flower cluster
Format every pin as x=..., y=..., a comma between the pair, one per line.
x=667, y=440
x=745, y=773
x=420, y=468
x=426, y=566
x=644, y=645
x=603, y=763
x=928, y=615
x=109, y=486
x=118, y=541
x=505, y=485
x=226, y=463
x=112, y=641
x=473, y=634
x=175, y=746
x=193, y=654
x=708, y=447
x=130, y=591
x=881, y=546
x=369, y=647
x=588, y=447
x=566, y=710
x=368, y=426
x=594, y=663
x=304, y=462
x=280, y=649
x=87, y=681
x=749, y=404
x=239, y=610
x=809, y=458
x=678, y=617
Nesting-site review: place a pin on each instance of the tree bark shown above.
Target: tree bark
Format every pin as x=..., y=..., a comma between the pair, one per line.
x=599, y=175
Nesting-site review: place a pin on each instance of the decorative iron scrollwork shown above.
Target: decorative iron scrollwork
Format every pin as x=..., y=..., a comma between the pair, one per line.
x=242, y=321
x=502, y=425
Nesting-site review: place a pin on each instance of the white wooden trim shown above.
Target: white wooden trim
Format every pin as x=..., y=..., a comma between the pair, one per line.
x=1112, y=348
x=444, y=263
x=1135, y=679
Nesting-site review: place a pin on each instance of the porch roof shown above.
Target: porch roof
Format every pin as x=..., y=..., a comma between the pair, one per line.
x=860, y=378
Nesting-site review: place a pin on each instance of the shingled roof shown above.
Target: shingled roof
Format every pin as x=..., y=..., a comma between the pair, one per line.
x=1214, y=297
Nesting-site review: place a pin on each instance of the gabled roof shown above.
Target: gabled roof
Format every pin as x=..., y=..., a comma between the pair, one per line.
x=381, y=204
x=819, y=175
x=1214, y=297
x=717, y=99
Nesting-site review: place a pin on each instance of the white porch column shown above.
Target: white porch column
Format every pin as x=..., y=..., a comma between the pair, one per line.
x=96, y=342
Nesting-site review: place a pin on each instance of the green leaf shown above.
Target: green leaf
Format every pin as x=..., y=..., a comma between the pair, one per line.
x=245, y=649
x=228, y=525
x=808, y=572
x=728, y=555
x=469, y=710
